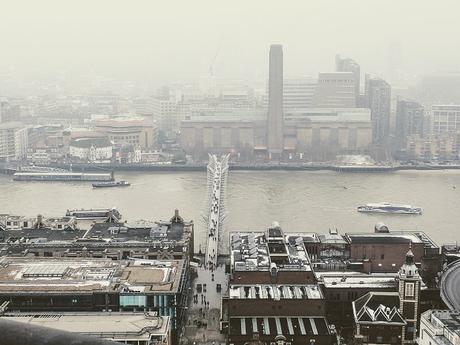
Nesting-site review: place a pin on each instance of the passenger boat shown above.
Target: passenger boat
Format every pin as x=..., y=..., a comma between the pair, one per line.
x=111, y=184
x=62, y=176
x=94, y=213
x=386, y=207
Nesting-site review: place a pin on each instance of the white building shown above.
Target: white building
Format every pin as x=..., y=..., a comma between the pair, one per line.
x=91, y=149
x=297, y=93
x=445, y=119
x=13, y=141
x=335, y=90
x=439, y=327
x=165, y=113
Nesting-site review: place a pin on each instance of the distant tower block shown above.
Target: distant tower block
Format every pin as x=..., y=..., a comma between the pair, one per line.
x=275, y=101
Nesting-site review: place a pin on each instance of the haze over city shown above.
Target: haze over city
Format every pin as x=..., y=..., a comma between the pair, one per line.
x=178, y=40
x=229, y=173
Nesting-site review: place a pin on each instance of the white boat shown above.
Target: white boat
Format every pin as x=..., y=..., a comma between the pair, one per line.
x=111, y=184
x=386, y=207
x=62, y=176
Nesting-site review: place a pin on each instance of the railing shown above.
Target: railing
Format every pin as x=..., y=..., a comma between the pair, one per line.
x=217, y=176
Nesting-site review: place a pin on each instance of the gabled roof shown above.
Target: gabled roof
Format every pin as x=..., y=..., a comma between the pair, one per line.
x=378, y=308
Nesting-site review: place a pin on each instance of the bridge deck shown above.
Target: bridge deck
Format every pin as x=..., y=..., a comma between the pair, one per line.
x=217, y=173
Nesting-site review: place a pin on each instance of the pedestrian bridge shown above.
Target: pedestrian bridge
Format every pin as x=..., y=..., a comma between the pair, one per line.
x=215, y=214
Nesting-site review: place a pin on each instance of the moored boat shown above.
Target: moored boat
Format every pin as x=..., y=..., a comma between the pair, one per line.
x=111, y=184
x=386, y=207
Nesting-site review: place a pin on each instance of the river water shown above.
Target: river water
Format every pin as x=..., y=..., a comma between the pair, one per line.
x=301, y=201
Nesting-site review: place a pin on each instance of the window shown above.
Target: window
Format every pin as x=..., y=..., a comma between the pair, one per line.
x=410, y=289
x=382, y=256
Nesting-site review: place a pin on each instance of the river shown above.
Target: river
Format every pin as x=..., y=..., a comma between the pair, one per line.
x=301, y=201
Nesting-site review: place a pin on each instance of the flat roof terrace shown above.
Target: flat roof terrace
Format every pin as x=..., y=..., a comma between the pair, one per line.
x=384, y=238
x=78, y=275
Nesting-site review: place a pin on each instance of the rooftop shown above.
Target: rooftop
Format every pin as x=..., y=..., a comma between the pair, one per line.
x=275, y=292
x=89, y=142
x=113, y=324
x=259, y=251
x=388, y=238
x=445, y=324
x=274, y=326
x=78, y=275
x=175, y=233
x=378, y=308
x=358, y=280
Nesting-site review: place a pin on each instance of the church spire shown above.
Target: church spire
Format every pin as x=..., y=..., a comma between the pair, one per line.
x=410, y=255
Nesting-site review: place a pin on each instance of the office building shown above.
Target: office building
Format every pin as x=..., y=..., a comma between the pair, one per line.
x=350, y=65
x=95, y=285
x=410, y=118
x=275, y=102
x=378, y=99
x=273, y=294
x=335, y=90
x=165, y=113
x=445, y=119
x=439, y=327
x=13, y=141
x=298, y=93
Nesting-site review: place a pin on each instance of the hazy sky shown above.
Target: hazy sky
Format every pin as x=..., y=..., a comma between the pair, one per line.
x=174, y=40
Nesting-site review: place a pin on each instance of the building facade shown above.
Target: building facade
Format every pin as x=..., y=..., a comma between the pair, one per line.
x=378, y=99
x=13, y=141
x=298, y=92
x=134, y=131
x=445, y=119
x=91, y=149
x=310, y=130
x=350, y=65
x=410, y=118
x=335, y=90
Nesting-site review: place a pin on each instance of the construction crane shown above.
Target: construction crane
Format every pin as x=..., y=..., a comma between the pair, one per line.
x=213, y=61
